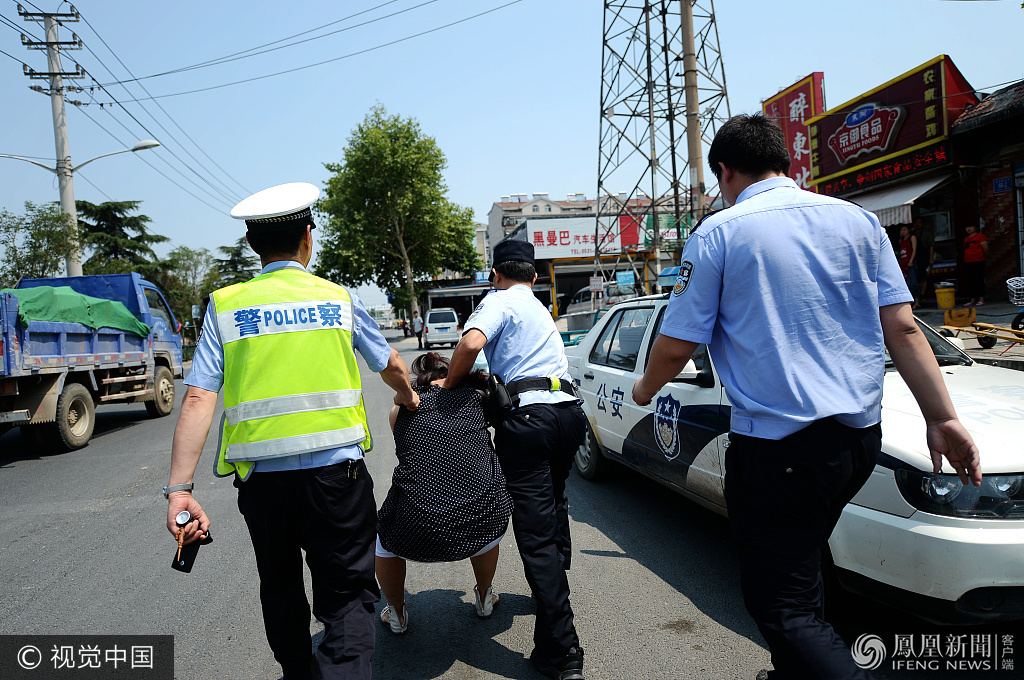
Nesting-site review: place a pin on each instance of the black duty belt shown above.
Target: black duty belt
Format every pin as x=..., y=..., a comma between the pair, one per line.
x=547, y=384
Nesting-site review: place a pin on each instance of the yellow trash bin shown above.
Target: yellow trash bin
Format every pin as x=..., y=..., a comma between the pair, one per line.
x=945, y=295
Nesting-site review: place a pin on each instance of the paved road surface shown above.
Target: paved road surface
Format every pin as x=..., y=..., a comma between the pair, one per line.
x=654, y=581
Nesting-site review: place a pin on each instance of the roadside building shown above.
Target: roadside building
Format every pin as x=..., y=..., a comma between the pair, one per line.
x=565, y=235
x=890, y=151
x=988, y=140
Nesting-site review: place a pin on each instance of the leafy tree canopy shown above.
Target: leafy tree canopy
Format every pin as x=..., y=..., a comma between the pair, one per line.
x=388, y=219
x=34, y=245
x=119, y=240
x=239, y=264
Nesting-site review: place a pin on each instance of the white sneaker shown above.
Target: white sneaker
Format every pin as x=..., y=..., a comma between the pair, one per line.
x=485, y=604
x=399, y=623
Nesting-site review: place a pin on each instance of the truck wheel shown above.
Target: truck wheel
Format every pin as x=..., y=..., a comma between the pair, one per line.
x=76, y=417
x=163, y=400
x=590, y=462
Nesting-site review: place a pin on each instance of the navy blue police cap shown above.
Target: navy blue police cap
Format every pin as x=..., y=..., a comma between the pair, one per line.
x=511, y=251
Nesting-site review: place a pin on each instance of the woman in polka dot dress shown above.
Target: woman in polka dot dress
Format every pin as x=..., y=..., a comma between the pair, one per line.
x=447, y=500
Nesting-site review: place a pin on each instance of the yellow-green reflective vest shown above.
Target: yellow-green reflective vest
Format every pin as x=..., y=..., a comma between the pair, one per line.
x=291, y=383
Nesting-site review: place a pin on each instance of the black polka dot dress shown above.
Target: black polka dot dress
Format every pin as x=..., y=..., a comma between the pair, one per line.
x=447, y=497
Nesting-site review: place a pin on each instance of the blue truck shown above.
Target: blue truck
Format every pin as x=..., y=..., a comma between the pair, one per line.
x=54, y=373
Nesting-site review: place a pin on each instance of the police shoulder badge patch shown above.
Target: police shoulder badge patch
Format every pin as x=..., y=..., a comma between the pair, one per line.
x=683, y=280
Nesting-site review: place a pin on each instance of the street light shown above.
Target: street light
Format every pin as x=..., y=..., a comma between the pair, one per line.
x=64, y=172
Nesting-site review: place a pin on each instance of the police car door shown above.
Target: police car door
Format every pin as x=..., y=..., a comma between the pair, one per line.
x=610, y=371
x=680, y=435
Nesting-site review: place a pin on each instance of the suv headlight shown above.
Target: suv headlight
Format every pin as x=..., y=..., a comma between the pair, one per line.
x=998, y=497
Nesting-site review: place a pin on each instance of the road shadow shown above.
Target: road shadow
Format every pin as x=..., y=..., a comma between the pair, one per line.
x=444, y=631
x=685, y=545
x=694, y=554
x=16, y=446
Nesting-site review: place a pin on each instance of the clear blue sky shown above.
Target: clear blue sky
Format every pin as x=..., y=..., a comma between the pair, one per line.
x=511, y=96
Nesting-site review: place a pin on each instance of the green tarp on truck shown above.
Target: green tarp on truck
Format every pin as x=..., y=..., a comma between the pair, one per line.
x=64, y=305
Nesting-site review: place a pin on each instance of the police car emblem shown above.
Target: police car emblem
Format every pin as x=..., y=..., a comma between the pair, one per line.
x=666, y=420
x=683, y=280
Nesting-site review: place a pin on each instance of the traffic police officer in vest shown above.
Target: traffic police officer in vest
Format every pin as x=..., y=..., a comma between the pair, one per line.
x=294, y=434
x=536, y=441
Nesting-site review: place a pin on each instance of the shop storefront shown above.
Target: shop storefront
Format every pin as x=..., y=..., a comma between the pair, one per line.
x=889, y=151
x=988, y=141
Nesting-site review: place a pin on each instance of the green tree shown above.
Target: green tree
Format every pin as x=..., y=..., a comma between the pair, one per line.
x=192, y=267
x=237, y=266
x=120, y=241
x=388, y=219
x=36, y=244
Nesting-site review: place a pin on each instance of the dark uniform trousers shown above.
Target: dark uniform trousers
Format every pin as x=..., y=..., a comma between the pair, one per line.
x=536, y=445
x=785, y=498
x=332, y=516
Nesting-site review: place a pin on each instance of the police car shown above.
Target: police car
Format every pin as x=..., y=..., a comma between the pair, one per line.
x=920, y=541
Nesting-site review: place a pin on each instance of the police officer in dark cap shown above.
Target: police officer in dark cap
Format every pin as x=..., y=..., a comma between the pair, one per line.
x=535, y=442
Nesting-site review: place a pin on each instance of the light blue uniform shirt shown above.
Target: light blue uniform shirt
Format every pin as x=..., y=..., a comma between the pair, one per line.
x=208, y=373
x=522, y=341
x=785, y=287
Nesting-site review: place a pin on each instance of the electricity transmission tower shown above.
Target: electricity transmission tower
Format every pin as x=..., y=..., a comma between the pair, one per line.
x=663, y=96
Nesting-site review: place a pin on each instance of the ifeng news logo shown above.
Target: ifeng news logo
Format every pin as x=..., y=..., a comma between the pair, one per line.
x=936, y=652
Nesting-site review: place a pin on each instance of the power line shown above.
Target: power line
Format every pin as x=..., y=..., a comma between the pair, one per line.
x=230, y=199
x=143, y=159
x=185, y=177
x=169, y=117
x=79, y=175
x=230, y=57
x=151, y=134
x=328, y=61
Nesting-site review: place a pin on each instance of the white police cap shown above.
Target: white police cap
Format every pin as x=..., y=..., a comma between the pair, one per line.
x=280, y=207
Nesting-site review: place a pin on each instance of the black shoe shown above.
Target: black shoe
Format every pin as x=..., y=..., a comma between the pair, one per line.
x=569, y=668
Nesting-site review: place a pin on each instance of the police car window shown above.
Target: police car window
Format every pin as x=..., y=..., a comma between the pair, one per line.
x=157, y=307
x=624, y=347
x=700, y=356
x=442, y=317
x=599, y=355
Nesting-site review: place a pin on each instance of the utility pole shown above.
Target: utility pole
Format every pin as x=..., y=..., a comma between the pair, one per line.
x=693, y=131
x=60, y=122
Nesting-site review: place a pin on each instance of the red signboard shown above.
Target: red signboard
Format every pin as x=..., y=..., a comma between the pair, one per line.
x=911, y=113
x=791, y=108
x=901, y=165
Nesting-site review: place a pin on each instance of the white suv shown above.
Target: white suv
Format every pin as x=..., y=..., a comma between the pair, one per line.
x=914, y=539
x=441, y=326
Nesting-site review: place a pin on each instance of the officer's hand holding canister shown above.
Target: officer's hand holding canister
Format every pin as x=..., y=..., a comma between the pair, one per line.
x=195, y=529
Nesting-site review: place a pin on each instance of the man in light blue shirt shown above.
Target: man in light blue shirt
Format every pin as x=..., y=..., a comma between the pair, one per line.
x=797, y=296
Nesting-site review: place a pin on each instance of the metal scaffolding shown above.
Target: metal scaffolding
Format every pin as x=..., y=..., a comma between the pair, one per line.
x=663, y=96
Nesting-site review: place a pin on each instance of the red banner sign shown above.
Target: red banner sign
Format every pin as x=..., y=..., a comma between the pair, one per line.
x=791, y=108
x=909, y=113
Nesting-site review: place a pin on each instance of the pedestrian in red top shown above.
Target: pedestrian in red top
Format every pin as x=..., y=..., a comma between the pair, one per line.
x=908, y=255
x=975, y=253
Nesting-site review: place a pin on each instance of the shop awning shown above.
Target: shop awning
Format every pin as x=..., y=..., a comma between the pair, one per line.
x=892, y=206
